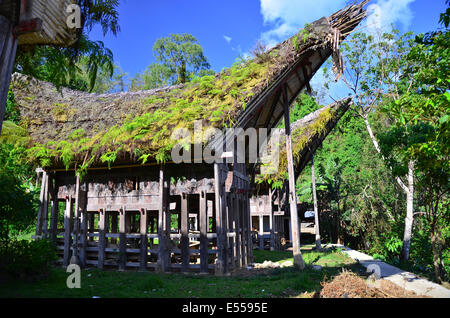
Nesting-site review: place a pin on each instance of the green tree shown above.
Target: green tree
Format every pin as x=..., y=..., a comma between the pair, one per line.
x=422, y=118
x=181, y=55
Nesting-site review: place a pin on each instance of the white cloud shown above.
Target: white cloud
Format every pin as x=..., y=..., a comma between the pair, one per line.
x=286, y=17
x=227, y=38
x=384, y=13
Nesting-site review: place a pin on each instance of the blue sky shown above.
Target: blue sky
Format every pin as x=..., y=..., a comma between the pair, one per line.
x=227, y=28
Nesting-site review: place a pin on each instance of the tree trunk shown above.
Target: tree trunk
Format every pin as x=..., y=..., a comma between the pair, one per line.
x=436, y=253
x=409, y=212
x=316, y=209
x=409, y=191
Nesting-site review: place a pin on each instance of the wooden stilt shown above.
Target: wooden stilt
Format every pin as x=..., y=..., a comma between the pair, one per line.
x=261, y=232
x=203, y=219
x=298, y=259
x=271, y=223
x=83, y=226
x=316, y=209
x=76, y=226
x=220, y=207
x=237, y=230
x=102, y=229
x=45, y=207
x=68, y=227
x=54, y=212
x=231, y=224
x=122, y=239
x=163, y=224
x=144, y=240
x=8, y=47
x=184, y=233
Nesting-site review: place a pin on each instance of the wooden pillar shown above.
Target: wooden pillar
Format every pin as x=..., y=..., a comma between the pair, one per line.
x=102, y=229
x=231, y=224
x=261, y=232
x=244, y=227
x=271, y=222
x=237, y=231
x=298, y=259
x=122, y=240
x=76, y=226
x=41, y=224
x=144, y=240
x=249, y=232
x=184, y=233
x=220, y=206
x=114, y=225
x=8, y=47
x=163, y=223
x=204, y=222
x=316, y=209
x=68, y=224
x=83, y=226
x=54, y=211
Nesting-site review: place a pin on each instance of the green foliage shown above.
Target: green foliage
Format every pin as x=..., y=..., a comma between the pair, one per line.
x=26, y=259
x=72, y=67
x=181, y=55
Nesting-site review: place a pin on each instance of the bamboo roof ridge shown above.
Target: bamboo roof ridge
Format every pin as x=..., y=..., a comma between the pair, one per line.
x=69, y=127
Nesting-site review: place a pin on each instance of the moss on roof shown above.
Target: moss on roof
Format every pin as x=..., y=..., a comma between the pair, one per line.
x=71, y=128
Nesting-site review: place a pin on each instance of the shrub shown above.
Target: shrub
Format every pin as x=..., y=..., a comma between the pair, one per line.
x=26, y=258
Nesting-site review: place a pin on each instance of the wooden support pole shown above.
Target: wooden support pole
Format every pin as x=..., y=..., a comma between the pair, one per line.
x=68, y=224
x=163, y=223
x=184, y=233
x=45, y=207
x=114, y=226
x=76, y=226
x=144, y=239
x=220, y=230
x=83, y=226
x=231, y=228
x=271, y=222
x=249, y=232
x=203, y=219
x=102, y=229
x=54, y=211
x=298, y=259
x=8, y=47
x=261, y=232
x=245, y=228
x=237, y=230
x=122, y=240
x=316, y=209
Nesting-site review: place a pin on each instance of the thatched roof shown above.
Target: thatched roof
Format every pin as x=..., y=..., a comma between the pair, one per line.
x=308, y=134
x=69, y=127
x=52, y=13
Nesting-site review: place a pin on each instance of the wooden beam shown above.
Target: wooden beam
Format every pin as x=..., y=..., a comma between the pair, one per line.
x=298, y=259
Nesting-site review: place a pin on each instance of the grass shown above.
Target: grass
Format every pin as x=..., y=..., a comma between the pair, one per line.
x=281, y=282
